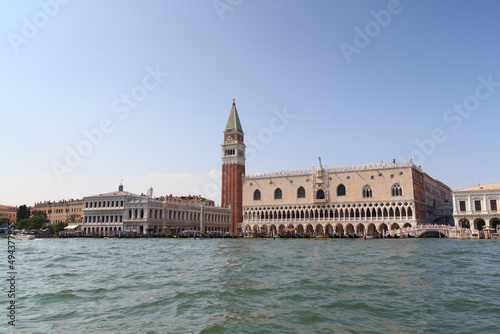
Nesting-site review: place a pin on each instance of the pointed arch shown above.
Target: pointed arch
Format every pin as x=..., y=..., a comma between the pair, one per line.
x=256, y=195
x=320, y=194
x=367, y=191
x=301, y=192
x=341, y=191
x=278, y=194
x=396, y=190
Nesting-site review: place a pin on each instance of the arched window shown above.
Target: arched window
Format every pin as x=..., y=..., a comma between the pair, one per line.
x=397, y=190
x=341, y=190
x=278, y=194
x=301, y=192
x=256, y=195
x=367, y=191
x=320, y=194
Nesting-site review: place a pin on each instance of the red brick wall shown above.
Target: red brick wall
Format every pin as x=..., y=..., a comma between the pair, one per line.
x=419, y=195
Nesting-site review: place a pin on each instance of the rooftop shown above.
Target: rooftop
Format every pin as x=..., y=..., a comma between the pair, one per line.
x=340, y=169
x=114, y=193
x=482, y=187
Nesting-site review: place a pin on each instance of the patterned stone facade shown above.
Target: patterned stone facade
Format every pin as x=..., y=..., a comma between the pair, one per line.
x=365, y=199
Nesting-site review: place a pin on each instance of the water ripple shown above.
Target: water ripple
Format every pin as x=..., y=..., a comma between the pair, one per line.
x=249, y=286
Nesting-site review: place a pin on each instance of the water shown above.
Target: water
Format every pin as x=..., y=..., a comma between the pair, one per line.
x=256, y=286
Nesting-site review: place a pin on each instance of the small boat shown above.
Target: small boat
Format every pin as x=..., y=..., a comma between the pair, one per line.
x=474, y=235
x=23, y=236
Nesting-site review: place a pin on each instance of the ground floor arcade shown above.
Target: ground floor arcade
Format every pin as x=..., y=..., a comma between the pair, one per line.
x=479, y=223
x=371, y=229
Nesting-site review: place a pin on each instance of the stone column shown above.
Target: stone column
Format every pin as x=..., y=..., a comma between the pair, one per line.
x=202, y=227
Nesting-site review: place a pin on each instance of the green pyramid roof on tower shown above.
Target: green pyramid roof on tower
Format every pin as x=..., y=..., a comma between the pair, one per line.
x=233, y=122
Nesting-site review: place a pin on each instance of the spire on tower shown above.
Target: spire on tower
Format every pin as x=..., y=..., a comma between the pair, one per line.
x=233, y=122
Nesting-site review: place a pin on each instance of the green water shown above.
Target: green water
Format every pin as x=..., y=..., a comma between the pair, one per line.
x=255, y=286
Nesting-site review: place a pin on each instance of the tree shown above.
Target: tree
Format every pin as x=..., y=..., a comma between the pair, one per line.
x=56, y=227
x=37, y=222
x=37, y=213
x=23, y=224
x=60, y=226
x=73, y=219
x=23, y=212
x=4, y=221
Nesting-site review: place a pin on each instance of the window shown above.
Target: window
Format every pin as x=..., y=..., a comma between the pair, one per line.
x=301, y=192
x=477, y=204
x=493, y=205
x=320, y=194
x=256, y=195
x=278, y=194
x=397, y=190
x=372, y=177
x=392, y=176
x=367, y=191
x=462, y=206
x=341, y=190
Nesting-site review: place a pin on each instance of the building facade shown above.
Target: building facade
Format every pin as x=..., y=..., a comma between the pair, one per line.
x=438, y=201
x=233, y=168
x=123, y=211
x=366, y=199
x=476, y=208
x=58, y=212
x=9, y=212
x=105, y=212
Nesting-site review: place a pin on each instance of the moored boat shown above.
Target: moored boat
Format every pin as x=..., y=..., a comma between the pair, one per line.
x=23, y=236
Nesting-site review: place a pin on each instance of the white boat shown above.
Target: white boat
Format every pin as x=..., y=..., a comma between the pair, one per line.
x=474, y=235
x=23, y=236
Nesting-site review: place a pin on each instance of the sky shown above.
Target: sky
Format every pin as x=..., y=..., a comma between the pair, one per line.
x=96, y=92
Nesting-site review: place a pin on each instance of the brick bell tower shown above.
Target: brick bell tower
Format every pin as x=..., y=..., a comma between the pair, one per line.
x=233, y=168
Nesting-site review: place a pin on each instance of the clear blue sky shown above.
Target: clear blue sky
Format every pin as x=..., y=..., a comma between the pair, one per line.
x=67, y=69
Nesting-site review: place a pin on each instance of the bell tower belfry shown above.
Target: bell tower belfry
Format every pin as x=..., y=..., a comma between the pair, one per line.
x=233, y=168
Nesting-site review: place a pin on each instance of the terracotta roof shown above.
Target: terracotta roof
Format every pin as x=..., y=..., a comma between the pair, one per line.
x=482, y=187
x=233, y=122
x=7, y=208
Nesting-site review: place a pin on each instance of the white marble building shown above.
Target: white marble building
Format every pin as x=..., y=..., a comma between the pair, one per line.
x=476, y=208
x=122, y=211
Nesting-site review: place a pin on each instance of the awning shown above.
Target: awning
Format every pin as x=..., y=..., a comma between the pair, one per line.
x=291, y=229
x=71, y=227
